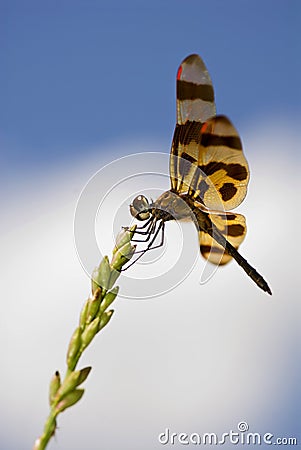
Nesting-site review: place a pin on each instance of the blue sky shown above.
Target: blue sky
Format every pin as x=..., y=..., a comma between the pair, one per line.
x=76, y=74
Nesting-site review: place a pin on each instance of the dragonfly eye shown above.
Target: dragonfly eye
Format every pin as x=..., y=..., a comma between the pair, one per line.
x=140, y=208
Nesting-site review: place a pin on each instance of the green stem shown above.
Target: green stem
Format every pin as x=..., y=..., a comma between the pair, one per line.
x=92, y=320
x=49, y=430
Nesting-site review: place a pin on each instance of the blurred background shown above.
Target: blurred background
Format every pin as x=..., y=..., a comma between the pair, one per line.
x=83, y=83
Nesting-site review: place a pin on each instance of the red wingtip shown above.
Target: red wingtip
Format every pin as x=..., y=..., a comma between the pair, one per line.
x=179, y=72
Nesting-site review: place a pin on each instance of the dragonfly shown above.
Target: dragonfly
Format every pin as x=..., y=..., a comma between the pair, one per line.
x=209, y=176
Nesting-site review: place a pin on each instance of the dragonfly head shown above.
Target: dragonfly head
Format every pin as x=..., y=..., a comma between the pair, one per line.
x=140, y=208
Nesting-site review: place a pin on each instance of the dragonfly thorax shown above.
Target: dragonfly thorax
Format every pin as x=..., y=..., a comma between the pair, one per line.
x=171, y=206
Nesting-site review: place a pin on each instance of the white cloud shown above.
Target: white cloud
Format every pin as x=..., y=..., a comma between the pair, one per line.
x=199, y=358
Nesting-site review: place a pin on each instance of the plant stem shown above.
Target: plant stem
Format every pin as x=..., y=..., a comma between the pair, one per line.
x=93, y=318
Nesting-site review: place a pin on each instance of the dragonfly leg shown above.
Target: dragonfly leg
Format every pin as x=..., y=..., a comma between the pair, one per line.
x=142, y=226
x=149, y=247
x=150, y=230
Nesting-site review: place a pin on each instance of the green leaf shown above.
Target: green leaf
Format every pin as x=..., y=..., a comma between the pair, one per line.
x=54, y=386
x=122, y=256
x=73, y=380
x=89, y=333
x=105, y=318
x=74, y=347
x=101, y=275
x=94, y=305
x=108, y=299
x=70, y=399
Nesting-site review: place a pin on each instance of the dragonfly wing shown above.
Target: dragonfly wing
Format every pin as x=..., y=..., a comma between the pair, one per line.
x=210, y=164
x=232, y=227
x=195, y=103
x=195, y=95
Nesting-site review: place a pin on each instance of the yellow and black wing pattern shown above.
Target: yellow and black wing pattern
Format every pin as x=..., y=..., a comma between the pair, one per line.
x=207, y=161
x=232, y=226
